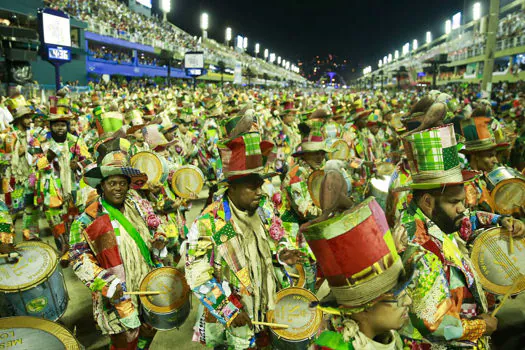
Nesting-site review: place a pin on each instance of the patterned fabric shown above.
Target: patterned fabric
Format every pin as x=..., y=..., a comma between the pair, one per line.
x=216, y=267
x=7, y=232
x=97, y=261
x=445, y=292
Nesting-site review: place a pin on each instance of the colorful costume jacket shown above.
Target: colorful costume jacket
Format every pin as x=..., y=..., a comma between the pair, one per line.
x=216, y=267
x=446, y=295
x=97, y=260
x=478, y=196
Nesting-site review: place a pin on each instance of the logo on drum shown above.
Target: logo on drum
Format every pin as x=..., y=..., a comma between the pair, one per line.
x=36, y=305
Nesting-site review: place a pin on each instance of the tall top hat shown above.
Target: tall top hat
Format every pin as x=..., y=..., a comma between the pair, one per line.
x=479, y=135
x=19, y=107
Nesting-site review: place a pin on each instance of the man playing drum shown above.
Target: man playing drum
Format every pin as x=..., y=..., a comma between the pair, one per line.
x=115, y=244
x=449, y=307
x=236, y=250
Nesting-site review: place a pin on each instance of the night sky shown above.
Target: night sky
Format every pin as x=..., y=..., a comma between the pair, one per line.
x=360, y=31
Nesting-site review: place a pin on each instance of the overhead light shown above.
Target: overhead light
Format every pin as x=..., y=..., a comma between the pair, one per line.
x=429, y=38
x=476, y=11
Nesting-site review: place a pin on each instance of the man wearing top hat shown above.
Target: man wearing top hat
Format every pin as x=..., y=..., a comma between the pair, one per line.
x=60, y=173
x=24, y=151
x=236, y=250
x=449, y=307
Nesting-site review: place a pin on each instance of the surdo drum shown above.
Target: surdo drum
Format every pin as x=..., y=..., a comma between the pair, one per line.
x=34, y=285
x=169, y=309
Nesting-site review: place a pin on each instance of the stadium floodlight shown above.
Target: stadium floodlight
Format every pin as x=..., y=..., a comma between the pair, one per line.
x=456, y=21
x=429, y=38
x=245, y=42
x=266, y=53
x=389, y=57
x=406, y=49
x=272, y=57
x=204, y=21
x=228, y=34
x=396, y=54
x=448, y=26
x=240, y=42
x=380, y=63
x=279, y=60
x=165, y=6
x=385, y=60
x=476, y=11
x=257, y=48
x=414, y=45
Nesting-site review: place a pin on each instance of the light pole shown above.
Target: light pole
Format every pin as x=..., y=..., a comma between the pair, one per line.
x=266, y=53
x=428, y=38
x=257, y=48
x=245, y=43
x=490, y=46
x=204, y=26
x=228, y=36
x=165, y=6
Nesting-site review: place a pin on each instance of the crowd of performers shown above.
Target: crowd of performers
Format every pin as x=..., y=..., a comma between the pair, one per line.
x=375, y=193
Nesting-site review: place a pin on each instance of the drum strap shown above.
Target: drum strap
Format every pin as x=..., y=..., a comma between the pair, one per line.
x=114, y=213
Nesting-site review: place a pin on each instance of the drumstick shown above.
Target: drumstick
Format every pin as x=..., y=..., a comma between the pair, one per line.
x=511, y=238
x=10, y=255
x=154, y=292
x=507, y=295
x=270, y=324
x=293, y=275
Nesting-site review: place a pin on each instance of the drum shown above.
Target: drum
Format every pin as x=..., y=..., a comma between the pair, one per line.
x=292, y=307
x=507, y=189
x=169, y=309
x=154, y=166
x=187, y=180
x=315, y=181
x=24, y=332
x=379, y=189
x=34, y=286
x=297, y=275
x=341, y=150
x=496, y=268
x=385, y=168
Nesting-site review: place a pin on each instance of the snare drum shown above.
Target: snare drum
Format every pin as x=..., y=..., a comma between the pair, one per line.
x=341, y=150
x=154, y=166
x=507, y=189
x=24, y=332
x=496, y=268
x=187, y=180
x=315, y=180
x=33, y=286
x=297, y=275
x=292, y=307
x=171, y=308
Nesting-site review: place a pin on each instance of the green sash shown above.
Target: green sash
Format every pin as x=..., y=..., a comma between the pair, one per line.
x=114, y=213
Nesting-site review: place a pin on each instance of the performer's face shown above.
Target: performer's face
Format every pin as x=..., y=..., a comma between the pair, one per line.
x=25, y=122
x=114, y=189
x=388, y=315
x=484, y=161
x=447, y=209
x=59, y=129
x=246, y=195
x=314, y=159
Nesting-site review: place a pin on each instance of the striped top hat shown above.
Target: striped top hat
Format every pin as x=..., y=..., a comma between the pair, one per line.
x=479, y=135
x=59, y=109
x=244, y=155
x=433, y=158
x=356, y=254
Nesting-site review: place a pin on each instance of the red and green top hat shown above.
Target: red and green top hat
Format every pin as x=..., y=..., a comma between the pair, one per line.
x=356, y=254
x=59, y=109
x=244, y=155
x=313, y=140
x=107, y=122
x=433, y=158
x=479, y=135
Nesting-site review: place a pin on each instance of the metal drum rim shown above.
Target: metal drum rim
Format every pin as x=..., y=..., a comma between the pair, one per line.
x=45, y=276
x=157, y=160
x=183, y=170
x=318, y=314
x=177, y=304
x=60, y=332
x=334, y=146
x=494, y=192
x=476, y=249
x=319, y=172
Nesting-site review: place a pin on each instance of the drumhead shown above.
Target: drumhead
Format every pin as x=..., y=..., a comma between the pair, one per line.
x=315, y=181
x=292, y=307
x=25, y=332
x=341, y=150
x=150, y=164
x=172, y=283
x=509, y=196
x=36, y=263
x=496, y=268
x=385, y=168
x=186, y=180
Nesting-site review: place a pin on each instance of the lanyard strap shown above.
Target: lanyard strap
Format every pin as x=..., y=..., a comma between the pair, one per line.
x=114, y=213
